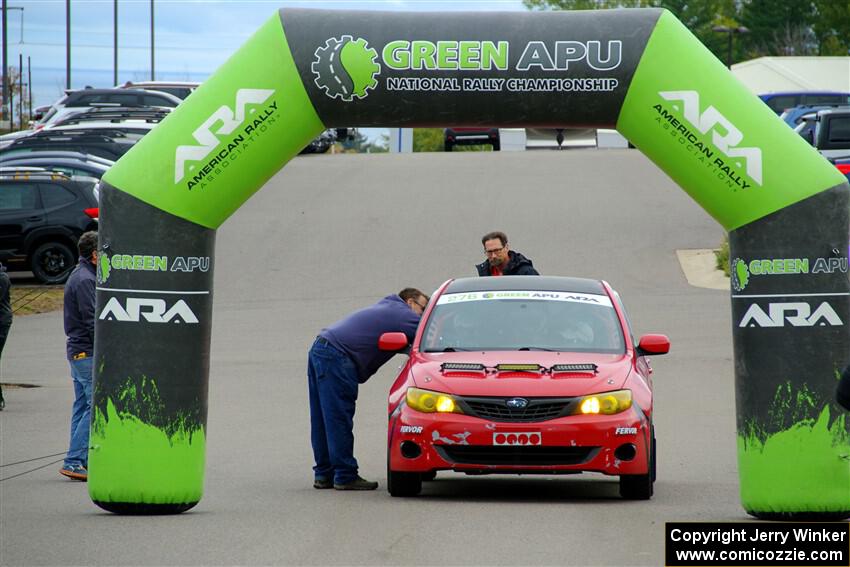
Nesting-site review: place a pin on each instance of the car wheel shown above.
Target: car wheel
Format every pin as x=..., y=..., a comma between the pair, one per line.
x=640, y=486
x=403, y=483
x=497, y=146
x=428, y=476
x=448, y=146
x=52, y=262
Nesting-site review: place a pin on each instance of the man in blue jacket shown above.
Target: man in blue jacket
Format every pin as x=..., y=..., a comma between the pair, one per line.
x=344, y=356
x=79, y=330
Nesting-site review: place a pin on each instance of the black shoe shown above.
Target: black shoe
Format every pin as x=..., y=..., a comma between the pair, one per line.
x=322, y=483
x=357, y=484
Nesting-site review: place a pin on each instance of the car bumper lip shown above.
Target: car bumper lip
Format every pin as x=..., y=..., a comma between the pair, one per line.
x=469, y=444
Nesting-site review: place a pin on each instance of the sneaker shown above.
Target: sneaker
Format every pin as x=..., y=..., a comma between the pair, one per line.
x=322, y=483
x=77, y=472
x=357, y=484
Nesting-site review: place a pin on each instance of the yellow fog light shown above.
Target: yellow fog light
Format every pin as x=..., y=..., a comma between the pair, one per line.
x=608, y=403
x=590, y=405
x=430, y=402
x=445, y=404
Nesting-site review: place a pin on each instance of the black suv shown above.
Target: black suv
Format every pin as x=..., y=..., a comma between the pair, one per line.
x=42, y=215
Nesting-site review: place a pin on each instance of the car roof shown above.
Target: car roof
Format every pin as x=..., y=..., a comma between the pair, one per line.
x=150, y=84
x=526, y=283
x=786, y=93
x=826, y=111
x=48, y=154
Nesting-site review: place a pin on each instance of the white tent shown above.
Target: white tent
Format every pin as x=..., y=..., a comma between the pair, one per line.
x=777, y=74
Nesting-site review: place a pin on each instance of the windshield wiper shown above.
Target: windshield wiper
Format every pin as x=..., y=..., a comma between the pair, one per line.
x=538, y=348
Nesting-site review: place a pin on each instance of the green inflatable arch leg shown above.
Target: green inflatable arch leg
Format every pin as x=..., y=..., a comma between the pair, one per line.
x=786, y=208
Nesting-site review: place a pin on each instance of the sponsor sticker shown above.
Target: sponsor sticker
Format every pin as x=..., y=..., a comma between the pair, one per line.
x=517, y=438
x=586, y=298
x=682, y=116
x=107, y=263
x=792, y=313
x=348, y=68
x=410, y=429
x=742, y=271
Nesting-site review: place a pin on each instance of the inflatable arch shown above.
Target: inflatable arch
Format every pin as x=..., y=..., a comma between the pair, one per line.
x=641, y=71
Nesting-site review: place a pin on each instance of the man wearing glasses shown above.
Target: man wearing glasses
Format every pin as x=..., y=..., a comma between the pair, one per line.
x=344, y=356
x=501, y=260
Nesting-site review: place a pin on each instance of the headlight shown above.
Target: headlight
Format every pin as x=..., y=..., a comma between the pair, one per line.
x=607, y=403
x=430, y=402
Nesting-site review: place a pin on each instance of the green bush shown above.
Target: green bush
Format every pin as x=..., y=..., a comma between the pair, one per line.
x=722, y=255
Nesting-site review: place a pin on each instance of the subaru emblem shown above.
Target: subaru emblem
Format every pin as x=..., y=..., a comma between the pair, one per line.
x=516, y=403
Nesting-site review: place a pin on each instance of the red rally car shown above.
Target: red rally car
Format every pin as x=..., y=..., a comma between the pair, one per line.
x=523, y=375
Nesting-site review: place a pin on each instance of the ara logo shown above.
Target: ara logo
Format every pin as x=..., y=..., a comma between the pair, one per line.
x=346, y=68
x=726, y=138
x=798, y=314
x=228, y=121
x=153, y=310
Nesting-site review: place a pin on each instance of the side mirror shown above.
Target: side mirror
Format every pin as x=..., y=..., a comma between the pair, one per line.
x=653, y=344
x=392, y=341
x=809, y=136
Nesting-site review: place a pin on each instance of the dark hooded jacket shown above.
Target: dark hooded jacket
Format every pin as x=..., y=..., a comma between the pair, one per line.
x=518, y=265
x=5, y=303
x=843, y=393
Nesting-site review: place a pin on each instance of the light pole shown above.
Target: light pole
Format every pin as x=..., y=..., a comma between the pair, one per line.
x=731, y=31
x=115, y=43
x=153, y=74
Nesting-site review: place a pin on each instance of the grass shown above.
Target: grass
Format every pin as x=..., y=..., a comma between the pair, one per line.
x=722, y=255
x=36, y=299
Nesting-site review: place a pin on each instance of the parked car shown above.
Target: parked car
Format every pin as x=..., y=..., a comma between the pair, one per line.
x=828, y=131
x=180, y=89
x=68, y=163
x=324, y=141
x=780, y=101
x=470, y=136
x=793, y=116
x=93, y=98
x=42, y=215
x=523, y=375
x=106, y=139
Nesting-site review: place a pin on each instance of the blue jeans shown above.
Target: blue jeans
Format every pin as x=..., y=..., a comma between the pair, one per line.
x=78, y=450
x=332, y=378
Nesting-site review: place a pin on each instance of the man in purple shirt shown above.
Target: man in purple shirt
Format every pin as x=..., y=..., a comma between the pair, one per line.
x=344, y=356
x=79, y=329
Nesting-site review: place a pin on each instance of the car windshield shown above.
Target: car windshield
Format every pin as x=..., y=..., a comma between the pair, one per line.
x=523, y=320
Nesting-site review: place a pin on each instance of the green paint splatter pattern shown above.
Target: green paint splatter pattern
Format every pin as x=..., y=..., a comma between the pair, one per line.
x=132, y=461
x=804, y=466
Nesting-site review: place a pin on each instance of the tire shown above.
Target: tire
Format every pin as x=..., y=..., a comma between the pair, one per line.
x=448, y=146
x=401, y=484
x=640, y=486
x=497, y=146
x=51, y=262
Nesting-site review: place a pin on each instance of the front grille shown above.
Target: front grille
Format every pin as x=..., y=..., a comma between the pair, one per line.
x=495, y=409
x=516, y=455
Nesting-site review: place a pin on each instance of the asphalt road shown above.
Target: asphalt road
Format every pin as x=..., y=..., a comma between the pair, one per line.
x=330, y=234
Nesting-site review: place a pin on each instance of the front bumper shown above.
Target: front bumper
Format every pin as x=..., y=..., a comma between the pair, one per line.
x=613, y=445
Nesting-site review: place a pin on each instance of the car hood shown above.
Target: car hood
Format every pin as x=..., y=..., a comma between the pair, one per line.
x=612, y=371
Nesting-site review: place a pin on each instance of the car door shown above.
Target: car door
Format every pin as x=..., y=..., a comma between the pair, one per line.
x=20, y=213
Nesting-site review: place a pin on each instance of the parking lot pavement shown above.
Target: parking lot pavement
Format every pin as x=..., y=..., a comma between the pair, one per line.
x=330, y=234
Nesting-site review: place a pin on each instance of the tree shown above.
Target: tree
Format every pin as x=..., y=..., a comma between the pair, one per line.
x=357, y=143
x=427, y=139
x=699, y=16
x=779, y=27
x=832, y=27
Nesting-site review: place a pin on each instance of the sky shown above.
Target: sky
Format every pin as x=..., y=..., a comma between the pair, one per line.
x=192, y=37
